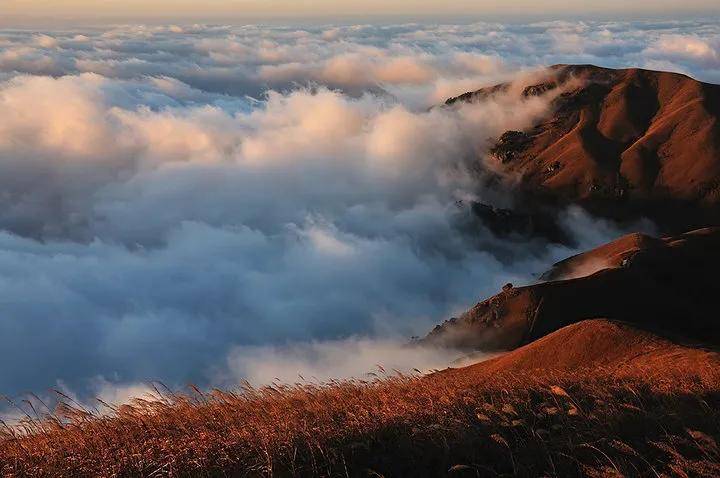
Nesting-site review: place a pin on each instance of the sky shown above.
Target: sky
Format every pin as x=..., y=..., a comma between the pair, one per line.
x=219, y=202
x=268, y=9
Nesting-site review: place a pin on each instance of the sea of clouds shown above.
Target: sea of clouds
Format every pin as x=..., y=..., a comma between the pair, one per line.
x=210, y=204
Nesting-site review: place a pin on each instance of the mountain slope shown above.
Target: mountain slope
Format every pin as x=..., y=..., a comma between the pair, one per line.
x=620, y=349
x=645, y=139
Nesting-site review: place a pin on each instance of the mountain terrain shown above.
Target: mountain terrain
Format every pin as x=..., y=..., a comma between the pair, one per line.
x=622, y=143
x=666, y=285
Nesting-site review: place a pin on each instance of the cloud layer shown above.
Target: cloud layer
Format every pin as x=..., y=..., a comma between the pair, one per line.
x=181, y=203
x=422, y=64
x=172, y=232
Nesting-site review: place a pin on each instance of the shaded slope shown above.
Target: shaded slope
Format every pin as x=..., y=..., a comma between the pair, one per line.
x=668, y=285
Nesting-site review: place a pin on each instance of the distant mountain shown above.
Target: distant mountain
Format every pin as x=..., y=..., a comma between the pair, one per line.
x=622, y=143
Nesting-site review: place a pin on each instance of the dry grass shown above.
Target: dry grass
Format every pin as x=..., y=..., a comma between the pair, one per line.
x=463, y=423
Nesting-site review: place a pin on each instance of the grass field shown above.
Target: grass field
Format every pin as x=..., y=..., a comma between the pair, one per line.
x=615, y=421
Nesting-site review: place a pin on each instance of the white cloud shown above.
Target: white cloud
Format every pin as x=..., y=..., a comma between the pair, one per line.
x=321, y=362
x=65, y=116
x=45, y=41
x=116, y=394
x=686, y=48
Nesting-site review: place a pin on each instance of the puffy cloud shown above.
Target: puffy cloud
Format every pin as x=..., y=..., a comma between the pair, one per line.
x=687, y=48
x=29, y=60
x=64, y=116
x=246, y=59
x=45, y=41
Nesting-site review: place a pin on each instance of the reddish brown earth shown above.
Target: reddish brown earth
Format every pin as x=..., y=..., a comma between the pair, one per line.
x=620, y=142
x=669, y=286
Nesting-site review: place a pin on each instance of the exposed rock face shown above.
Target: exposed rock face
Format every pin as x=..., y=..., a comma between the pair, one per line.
x=666, y=285
x=510, y=144
x=648, y=141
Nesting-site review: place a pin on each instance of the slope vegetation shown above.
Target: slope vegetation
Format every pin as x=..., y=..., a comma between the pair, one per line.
x=567, y=405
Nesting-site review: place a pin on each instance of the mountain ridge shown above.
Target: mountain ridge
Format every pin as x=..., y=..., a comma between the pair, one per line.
x=664, y=285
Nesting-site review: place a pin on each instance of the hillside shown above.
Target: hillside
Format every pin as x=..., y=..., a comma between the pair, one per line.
x=666, y=285
x=623, y=143
x=616, y=347
x=567, y=405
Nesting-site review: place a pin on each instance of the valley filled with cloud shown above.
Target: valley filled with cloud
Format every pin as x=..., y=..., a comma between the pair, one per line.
x=210, y=204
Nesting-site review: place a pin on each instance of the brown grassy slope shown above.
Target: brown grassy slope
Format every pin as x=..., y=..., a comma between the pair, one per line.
x=666, y=285
x=646, y=139
x=613, y=346
x=650, y=408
